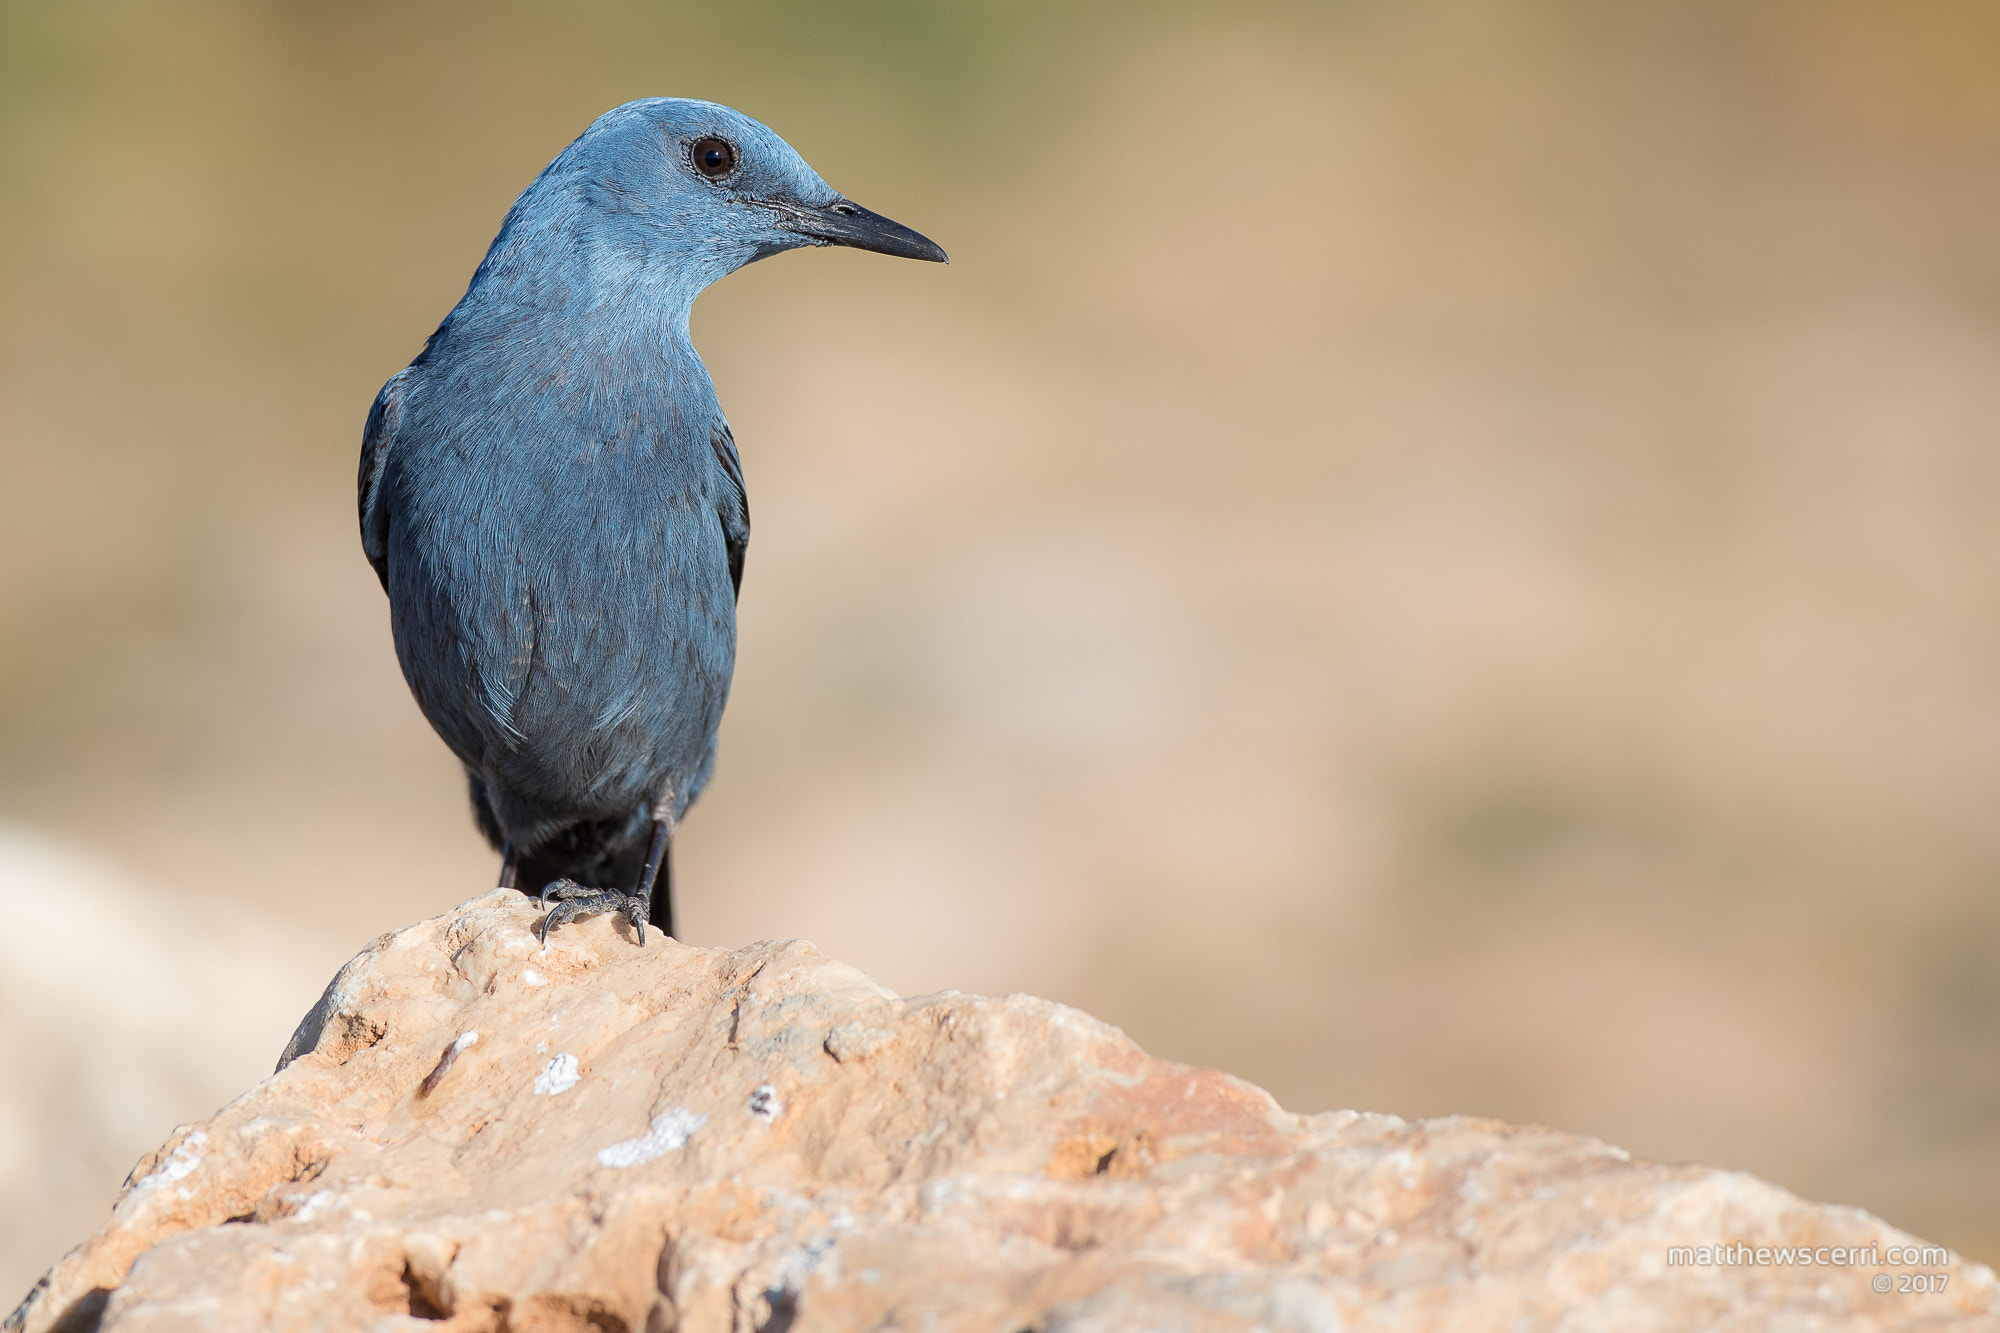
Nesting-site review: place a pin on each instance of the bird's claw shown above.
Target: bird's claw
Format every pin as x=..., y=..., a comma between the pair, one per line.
x=574, y=900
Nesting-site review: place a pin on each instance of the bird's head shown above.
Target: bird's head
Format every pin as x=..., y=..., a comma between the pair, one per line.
x=704, y=190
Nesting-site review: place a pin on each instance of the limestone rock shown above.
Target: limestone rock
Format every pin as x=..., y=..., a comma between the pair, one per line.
x=122, y=1011
x=473, y=1134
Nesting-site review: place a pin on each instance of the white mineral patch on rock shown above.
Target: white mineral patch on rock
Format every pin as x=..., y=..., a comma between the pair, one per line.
x=557, y=1076
x=670, y=1130
x=180, y=1164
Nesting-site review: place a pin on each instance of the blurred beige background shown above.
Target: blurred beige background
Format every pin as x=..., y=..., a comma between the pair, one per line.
x=1441, y=557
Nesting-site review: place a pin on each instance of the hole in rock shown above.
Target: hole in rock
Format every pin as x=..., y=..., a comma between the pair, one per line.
x=426, y=1302
x=84, y=1314
x=784, y=1309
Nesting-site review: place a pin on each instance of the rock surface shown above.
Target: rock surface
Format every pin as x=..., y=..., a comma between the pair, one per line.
x=474, y=1134
x=168, y=1019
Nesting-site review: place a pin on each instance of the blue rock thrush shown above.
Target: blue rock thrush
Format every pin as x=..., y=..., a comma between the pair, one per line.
x=553, y=501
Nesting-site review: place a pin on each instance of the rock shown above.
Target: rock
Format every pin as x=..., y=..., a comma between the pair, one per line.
x=472, y=1134
x=123, y=1009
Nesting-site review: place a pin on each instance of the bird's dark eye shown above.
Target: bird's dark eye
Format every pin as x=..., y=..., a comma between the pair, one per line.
x=712, y=157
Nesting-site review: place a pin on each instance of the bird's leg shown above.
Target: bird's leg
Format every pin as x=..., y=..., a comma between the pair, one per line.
x=662, y=904
x=657, y=878
x=509, y=865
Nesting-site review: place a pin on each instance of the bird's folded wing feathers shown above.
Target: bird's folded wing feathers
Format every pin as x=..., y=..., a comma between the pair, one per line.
x=376, y=437
x=732, y=503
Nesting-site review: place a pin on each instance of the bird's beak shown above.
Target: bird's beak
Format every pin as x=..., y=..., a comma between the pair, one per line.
x=844, y=223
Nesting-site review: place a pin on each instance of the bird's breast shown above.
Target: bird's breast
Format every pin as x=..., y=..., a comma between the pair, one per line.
x=565, y=593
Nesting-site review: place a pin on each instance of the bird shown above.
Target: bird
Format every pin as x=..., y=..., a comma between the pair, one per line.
x=553, y=500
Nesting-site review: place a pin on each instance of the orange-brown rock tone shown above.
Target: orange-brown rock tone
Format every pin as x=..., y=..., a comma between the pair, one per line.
x=470, y=1133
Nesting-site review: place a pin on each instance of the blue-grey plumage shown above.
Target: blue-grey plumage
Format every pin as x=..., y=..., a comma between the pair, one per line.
x=554, y=502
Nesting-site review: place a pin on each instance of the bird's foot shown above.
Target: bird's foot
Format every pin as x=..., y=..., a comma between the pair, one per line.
x=574, y=900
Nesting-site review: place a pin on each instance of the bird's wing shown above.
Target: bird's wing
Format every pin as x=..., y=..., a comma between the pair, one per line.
x=732, y=502
x=376, y=437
